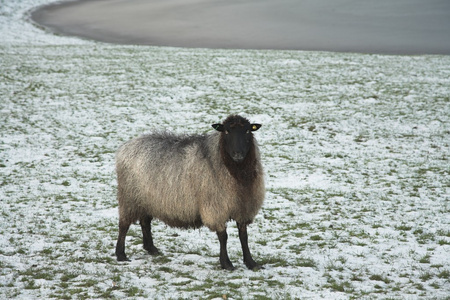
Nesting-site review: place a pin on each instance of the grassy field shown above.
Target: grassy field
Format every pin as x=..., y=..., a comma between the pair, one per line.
x=355, y=148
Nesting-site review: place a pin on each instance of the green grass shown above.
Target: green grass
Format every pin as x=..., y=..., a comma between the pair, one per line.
x=355, y=148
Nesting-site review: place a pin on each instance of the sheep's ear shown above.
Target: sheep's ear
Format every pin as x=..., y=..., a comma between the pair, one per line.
x=218, y=127
x=255, y=126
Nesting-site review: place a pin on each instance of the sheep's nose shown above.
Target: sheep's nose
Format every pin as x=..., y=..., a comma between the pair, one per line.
x=238, y=157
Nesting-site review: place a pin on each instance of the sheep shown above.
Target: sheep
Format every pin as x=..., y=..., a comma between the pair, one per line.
x=189, y=181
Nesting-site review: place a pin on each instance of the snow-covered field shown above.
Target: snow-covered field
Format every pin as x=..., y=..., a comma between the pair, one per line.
x=355, y=147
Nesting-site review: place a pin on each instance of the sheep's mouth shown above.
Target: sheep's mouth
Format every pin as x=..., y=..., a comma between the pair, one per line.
x=238, y=157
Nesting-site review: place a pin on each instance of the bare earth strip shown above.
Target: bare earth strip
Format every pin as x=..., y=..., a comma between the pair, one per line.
x=400, y=27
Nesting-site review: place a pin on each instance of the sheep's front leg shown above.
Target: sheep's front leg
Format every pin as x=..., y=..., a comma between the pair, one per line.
x=243, y=237
x=224, y=259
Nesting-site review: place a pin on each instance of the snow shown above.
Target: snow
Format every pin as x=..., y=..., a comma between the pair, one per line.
x=355, y=149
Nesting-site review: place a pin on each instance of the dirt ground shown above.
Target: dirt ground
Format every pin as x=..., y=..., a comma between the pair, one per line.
x=367, y=26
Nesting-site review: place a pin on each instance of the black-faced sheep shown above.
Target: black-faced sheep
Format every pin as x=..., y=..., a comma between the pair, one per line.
x=190, y=181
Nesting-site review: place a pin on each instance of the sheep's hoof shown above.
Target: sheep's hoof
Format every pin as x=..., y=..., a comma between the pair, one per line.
x=227, y=266
x=122, y=258
x=153, y=251
x=254, y=266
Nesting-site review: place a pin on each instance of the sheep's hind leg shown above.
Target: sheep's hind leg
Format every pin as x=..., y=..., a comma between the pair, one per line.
x=147, y=235
x=120, y=246
x=224, y=259
x=243, y=237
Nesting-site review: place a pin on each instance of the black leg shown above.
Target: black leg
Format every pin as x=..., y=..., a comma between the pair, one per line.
x=120, y=246
x=224, y=259
x=243, y=237
x=147, y=235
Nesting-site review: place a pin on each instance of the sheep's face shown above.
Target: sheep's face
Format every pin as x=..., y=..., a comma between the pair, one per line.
x=237, y=136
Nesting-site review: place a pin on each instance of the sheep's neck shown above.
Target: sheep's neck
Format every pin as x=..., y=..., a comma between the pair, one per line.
x=245, y=171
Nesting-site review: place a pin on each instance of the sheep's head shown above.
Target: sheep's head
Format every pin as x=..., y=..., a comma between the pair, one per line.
x=237, y=136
